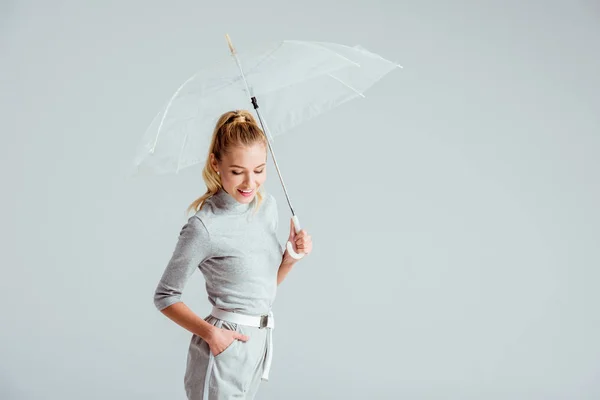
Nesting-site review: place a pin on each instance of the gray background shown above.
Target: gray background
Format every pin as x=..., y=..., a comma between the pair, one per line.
x=454, y=211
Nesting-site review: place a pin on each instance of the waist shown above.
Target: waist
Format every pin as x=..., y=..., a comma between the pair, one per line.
x=257, y=321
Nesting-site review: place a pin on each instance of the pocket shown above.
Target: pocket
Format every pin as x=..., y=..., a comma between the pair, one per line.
x=227, y=349
x=229, y=327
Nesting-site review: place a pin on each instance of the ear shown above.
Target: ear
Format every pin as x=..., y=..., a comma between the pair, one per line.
x=213, y=162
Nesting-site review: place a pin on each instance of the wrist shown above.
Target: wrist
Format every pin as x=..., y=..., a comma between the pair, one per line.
x=288, y=262
x=210, y=334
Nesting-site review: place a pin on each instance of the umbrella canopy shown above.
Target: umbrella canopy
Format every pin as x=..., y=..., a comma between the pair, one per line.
x=294, y=81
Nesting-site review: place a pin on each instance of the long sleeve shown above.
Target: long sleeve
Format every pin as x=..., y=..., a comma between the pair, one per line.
x=193, y=247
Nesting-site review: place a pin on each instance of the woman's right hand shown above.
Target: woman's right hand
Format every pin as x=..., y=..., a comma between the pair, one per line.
x=220, y=339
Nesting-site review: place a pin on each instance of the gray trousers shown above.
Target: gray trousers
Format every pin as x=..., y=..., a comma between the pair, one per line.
x=235, y=373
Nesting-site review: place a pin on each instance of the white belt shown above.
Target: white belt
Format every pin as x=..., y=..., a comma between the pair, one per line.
x=258, y=321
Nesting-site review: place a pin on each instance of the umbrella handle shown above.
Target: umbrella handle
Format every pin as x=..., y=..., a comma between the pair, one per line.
x=290, y=246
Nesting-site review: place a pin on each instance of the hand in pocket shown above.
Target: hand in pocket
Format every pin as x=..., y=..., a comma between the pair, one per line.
x=221, y=339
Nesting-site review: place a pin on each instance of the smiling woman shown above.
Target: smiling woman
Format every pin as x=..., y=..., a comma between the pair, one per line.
x=245, y=176
x=237, y=162
x=244, y=170
x=242, y=261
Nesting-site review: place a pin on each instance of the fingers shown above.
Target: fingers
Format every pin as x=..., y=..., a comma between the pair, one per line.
x=302, y=234
x=302, y=238
x=243, y=338
x=303, y=242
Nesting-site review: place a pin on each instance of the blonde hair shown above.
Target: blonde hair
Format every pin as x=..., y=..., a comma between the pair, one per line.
x=233, y=129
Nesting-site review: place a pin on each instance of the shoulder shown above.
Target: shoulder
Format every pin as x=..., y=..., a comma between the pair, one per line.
x=195, y=227
x=270, y=212
x=270, y=203
x=205, y=215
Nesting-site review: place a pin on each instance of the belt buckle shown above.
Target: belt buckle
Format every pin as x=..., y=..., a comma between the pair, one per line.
x=264, y=320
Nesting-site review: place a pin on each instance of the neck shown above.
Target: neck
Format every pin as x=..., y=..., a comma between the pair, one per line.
x=228, y=203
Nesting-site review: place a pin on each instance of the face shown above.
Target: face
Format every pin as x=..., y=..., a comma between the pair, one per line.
x=243, y=169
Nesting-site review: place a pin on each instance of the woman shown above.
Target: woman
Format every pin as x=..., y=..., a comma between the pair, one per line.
x=232, y=239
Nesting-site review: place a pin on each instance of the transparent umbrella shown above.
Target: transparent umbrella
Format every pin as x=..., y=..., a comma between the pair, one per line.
x=286, y=83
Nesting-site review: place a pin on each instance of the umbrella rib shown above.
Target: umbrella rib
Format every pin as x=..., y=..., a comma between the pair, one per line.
x=191, y=118
x=182, y=148
x=162, y=120
x=264, y=58
x=334, y=52
x=348, y=86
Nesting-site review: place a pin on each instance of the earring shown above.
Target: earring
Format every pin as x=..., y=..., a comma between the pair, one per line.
x=218, y=173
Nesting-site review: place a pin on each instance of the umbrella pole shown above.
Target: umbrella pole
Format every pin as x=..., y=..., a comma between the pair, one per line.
x=295, y=220
x=262, y=124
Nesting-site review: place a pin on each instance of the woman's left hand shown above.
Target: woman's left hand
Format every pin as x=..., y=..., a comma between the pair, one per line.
x=301, y=241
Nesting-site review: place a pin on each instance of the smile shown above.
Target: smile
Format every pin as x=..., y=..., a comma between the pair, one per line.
x=246, y=193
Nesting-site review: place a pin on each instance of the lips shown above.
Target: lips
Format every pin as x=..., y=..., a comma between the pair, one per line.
x=245, y=193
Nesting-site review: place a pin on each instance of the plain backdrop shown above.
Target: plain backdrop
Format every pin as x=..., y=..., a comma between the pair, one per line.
x=454, y=210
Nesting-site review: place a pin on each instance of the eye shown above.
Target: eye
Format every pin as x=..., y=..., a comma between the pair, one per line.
x=239, y=173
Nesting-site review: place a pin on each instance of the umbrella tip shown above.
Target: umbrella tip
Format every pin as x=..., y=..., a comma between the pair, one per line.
x=229, y=43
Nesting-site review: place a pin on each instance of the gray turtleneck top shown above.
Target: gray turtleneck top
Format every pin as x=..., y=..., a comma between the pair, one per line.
x=236, y=249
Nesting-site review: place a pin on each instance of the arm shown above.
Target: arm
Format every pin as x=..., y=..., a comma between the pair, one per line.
x=284, y=268
x=286, y=262
x=193, y=247
x=183, y=316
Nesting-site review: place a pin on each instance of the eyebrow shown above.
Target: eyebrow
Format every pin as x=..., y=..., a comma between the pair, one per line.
x=239, y=166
